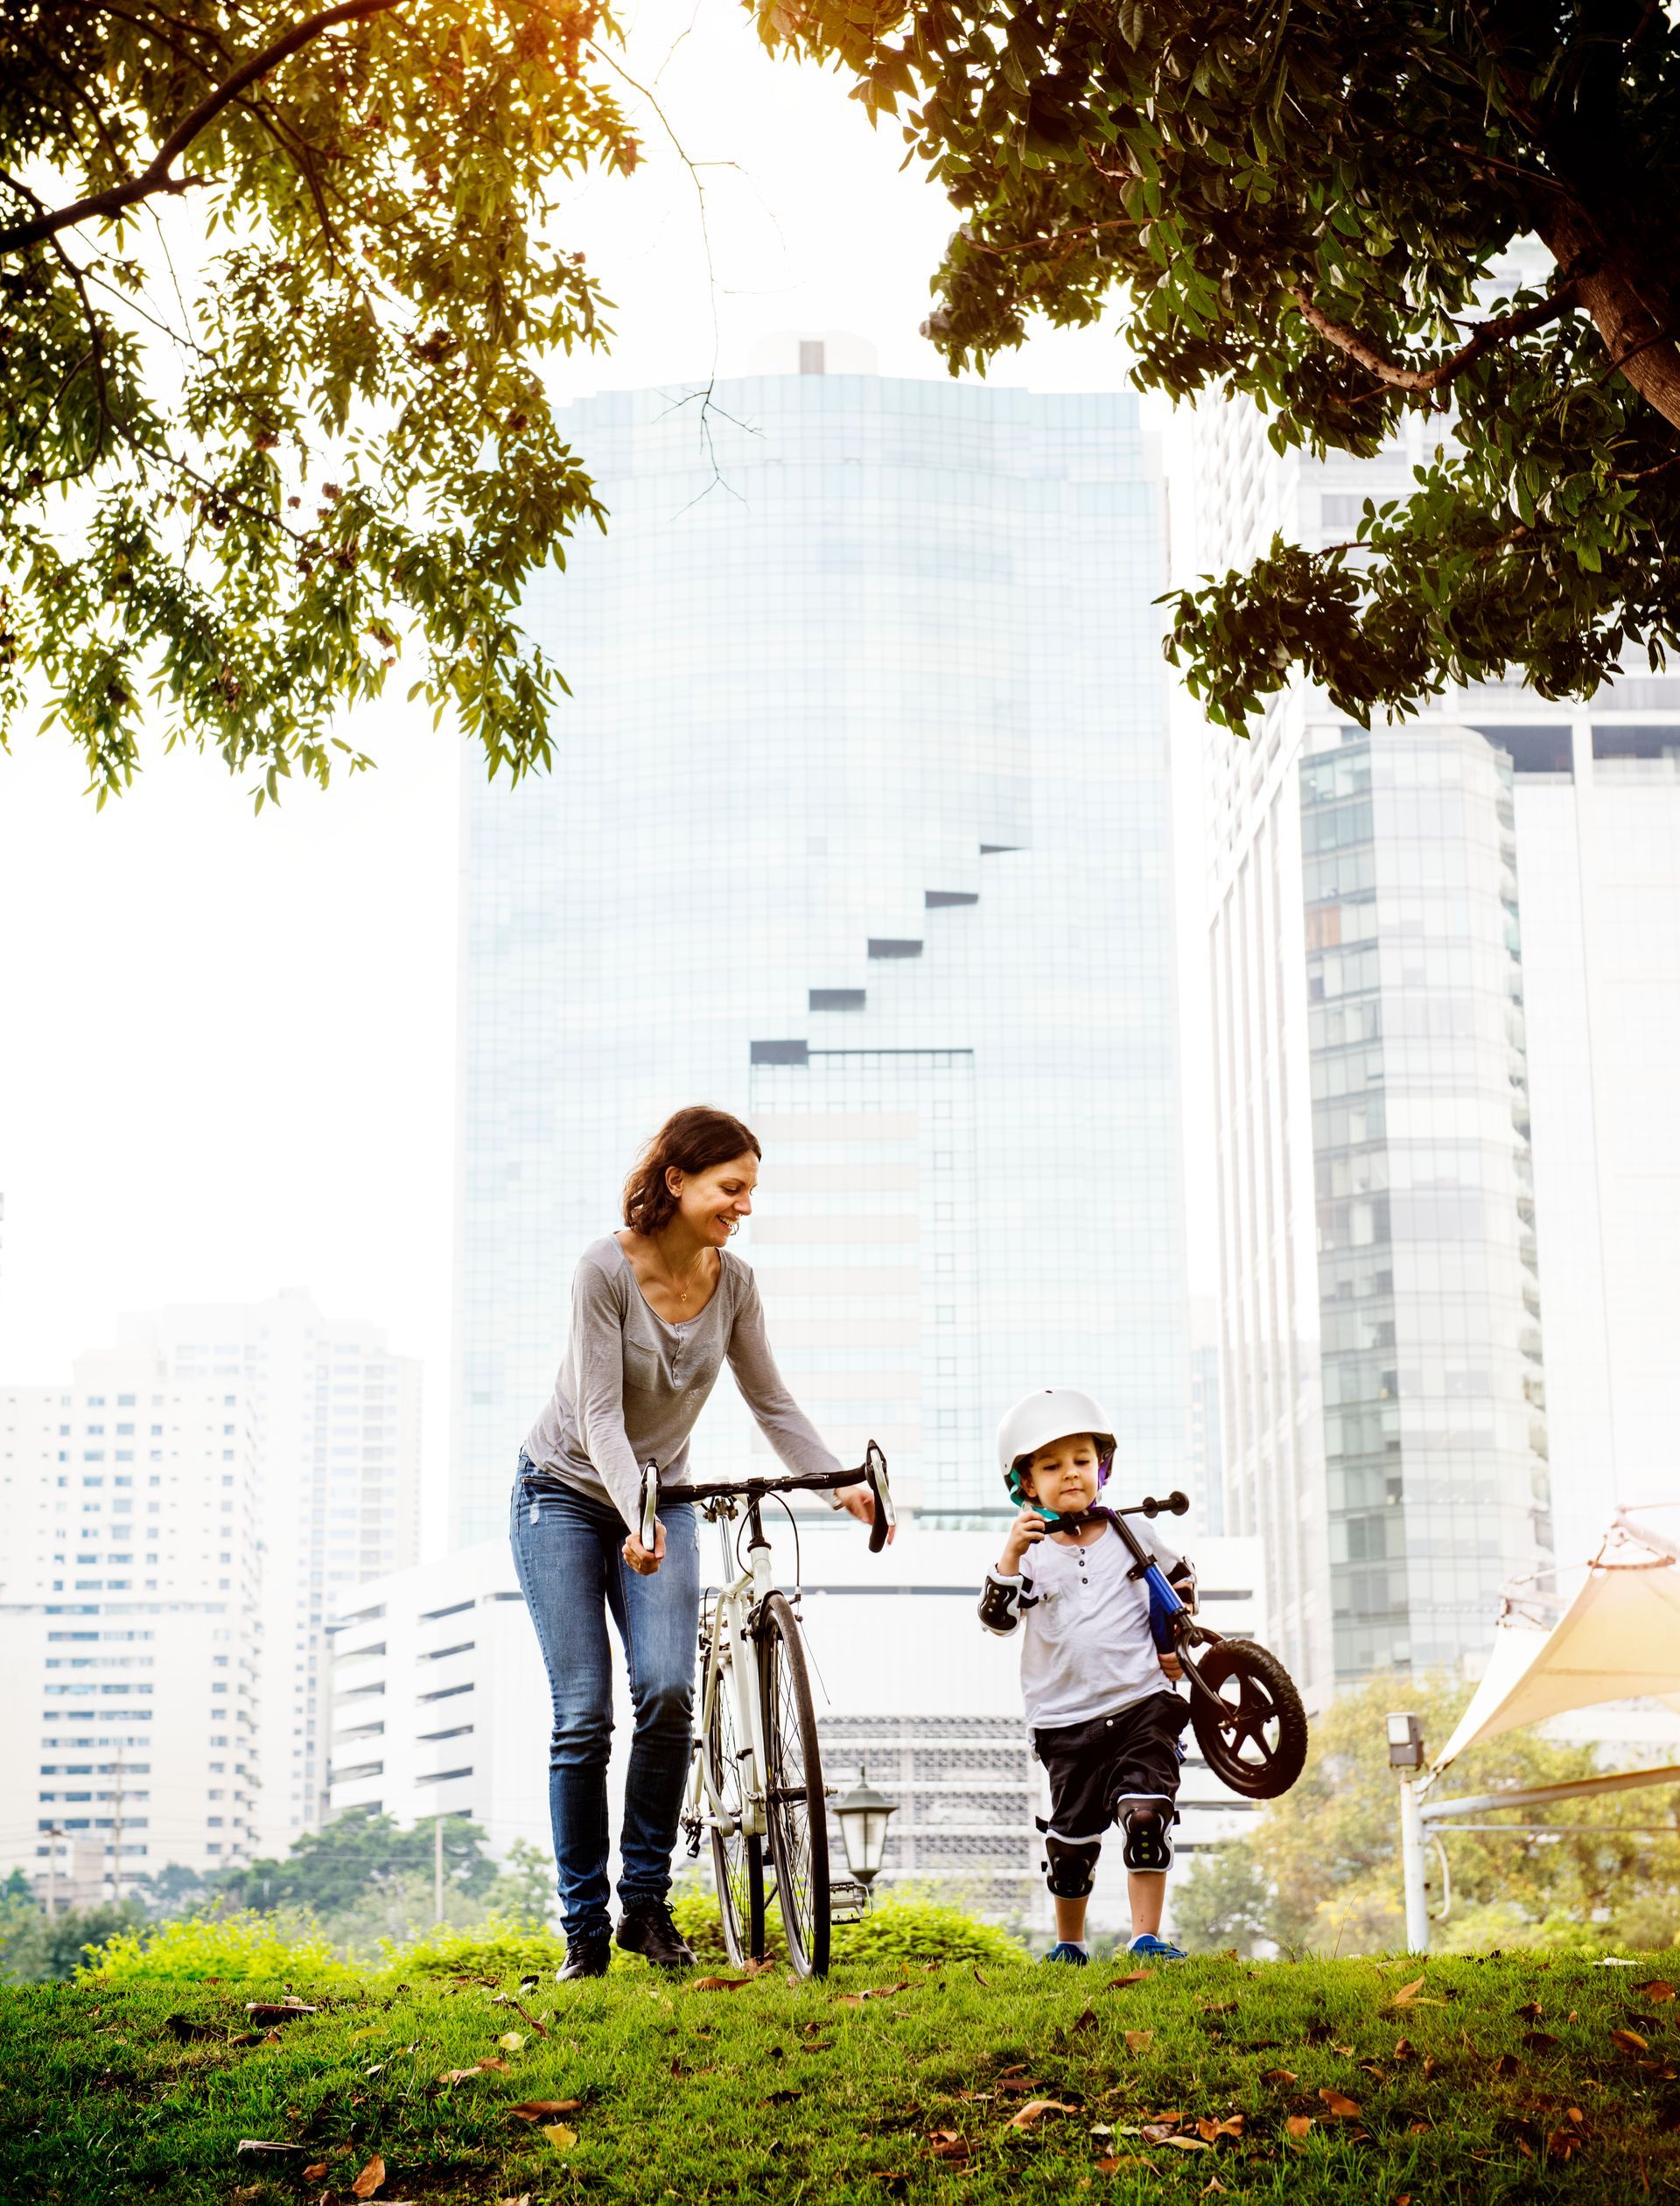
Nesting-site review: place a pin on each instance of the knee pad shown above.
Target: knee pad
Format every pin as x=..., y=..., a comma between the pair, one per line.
x=1147, y=1821
x=1070, y=1871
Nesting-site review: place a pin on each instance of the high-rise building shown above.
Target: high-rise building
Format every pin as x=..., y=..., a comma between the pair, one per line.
x=128, y=1626
x=335, y=1422
x=1443, y=973
x=858, y=825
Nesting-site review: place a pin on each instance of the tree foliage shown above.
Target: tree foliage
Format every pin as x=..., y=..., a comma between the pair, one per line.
x=1321, y=1870
x=275, y=289
x=1309, y=202
x=328, y=1871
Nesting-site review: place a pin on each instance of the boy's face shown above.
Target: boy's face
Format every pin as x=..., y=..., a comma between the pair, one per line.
x=1065, y=1475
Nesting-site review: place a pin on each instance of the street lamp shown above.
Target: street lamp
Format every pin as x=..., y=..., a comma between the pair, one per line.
x=1405, y=1742
x=863, y=1816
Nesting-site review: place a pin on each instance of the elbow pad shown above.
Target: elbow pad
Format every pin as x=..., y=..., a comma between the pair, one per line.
x=1000, y=1606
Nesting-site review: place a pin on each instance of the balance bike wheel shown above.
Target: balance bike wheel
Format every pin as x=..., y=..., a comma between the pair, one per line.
x=1257, y=1746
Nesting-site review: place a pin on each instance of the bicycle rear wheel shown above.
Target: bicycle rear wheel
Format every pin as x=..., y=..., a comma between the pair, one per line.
x=796, y=1806
x=737, y=1861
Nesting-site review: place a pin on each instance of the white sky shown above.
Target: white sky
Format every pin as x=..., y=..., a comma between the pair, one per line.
x=227, y=1056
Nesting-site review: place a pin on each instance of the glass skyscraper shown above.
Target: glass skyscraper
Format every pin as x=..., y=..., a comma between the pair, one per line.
x=858, y=825
x=1444, y=976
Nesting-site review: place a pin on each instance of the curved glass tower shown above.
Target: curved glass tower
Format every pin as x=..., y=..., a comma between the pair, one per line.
x=858, y=825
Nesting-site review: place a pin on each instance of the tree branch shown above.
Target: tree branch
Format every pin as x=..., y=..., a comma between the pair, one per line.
x=1485, y=337
x=155, y=176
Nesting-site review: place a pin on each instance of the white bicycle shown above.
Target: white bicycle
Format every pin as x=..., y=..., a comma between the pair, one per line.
x=757, y=1772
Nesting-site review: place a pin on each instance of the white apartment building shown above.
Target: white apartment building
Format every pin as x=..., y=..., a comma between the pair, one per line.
x=129, y=1628
x=441, y=1705
x=335, y=1424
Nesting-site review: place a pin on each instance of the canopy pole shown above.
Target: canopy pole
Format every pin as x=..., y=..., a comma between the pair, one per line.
x=1412, y=1867
x=1476, y=1803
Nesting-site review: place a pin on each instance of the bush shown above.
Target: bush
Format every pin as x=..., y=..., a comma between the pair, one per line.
x=904, y=1928
x=245, y=1947
x=491, y=1948
x=33, y=1951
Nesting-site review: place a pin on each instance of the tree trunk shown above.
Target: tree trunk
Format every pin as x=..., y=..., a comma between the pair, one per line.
x=1634, y=316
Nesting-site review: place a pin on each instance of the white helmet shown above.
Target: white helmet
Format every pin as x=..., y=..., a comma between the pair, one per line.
x=1051, y=1414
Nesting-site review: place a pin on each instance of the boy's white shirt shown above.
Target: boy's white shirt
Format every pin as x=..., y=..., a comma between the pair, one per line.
x=1086, y=1646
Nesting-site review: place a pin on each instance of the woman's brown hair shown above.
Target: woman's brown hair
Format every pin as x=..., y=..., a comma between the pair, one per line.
x=690, y=1140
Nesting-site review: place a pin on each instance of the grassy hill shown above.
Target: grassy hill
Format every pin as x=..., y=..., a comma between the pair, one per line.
x=1506, y=2077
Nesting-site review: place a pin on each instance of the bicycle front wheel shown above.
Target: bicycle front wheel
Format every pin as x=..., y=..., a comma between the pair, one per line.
x=795, y=1807
x=737, y=1861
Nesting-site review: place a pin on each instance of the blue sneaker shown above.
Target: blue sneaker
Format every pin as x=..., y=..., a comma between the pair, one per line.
x=1149, y=1948
x=1068, y=1953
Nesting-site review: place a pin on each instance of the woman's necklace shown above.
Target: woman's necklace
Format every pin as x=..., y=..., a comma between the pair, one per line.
x=678, y=1293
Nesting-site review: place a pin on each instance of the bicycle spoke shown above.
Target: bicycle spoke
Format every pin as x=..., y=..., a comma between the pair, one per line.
x=794, y=1790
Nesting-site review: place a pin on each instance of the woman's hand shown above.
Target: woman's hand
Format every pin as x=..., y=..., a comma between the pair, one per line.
x=858, y=1502
x=1028, y=1528
x=644, y=1560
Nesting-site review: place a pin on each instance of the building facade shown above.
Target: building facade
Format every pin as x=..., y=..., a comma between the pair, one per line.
x=128, y=1626
x=335, y=1422
x=858, y=825
x=1442, y=974
x=441, y=1705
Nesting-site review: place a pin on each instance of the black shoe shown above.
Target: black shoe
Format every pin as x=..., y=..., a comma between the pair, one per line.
x=585, y=1957
x=645, y=1927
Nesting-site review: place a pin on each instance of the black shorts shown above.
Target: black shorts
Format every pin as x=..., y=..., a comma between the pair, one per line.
x=1135, y=1752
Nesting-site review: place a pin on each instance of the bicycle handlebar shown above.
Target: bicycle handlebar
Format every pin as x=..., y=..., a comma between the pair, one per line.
x=872, y=1472
x=1175, y=1504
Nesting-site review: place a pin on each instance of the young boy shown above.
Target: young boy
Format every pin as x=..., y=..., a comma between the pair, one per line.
x=1103, y=1722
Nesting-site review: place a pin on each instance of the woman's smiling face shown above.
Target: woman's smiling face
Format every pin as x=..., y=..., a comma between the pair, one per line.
x=713, y=1203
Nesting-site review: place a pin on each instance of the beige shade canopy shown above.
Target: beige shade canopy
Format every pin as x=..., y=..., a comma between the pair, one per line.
x=1617, y=1640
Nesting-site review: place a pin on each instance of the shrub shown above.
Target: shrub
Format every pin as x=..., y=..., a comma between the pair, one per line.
x=495, y=1947
x=904, y=1927
x=236, y=1947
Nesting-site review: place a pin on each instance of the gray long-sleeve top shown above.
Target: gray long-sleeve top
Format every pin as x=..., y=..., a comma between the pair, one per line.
x=632, y=1384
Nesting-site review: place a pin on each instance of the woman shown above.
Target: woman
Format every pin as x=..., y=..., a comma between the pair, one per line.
x=655, y=1310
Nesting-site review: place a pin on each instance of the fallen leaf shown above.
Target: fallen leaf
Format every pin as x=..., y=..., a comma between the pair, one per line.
x=560, y=2137
x=537, y=2110
x=1213, y=2126
x=512, y=2040
x=1404, y=2049
x=267, y=2011
x=781, y=2099
x=1407, y=1992
x=1339, y=2105
x=1187, y=2144
x=1345, y=2051
x=529, y=1983
x=1035, y=2109
x=490, y=2060
x=265, y=2145
x=887, y=1991
x=370, y=2178
x=1159, y=2132
x=1281, y=2076
x=184, y=2028
x=724, y=1984
x=948, y=2143
x=1299, y=2124
x=1119, y=1982
x=1630, y=2040
x=314, y=2174
x=1532, y=2012
x=524, y=2199
x=981, y=1980
x=1110, y=2166
x=458, y=2075
x=1656, y=1990
x=1085, y=2021
x=1507, y=2064
x=841, y=1998
x=1213, y=2184
x=1217, y=2007
x=1540, y=2042
x=1401, y=2198
x=1139, y=2040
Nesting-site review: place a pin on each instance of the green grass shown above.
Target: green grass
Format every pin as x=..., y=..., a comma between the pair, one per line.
x=784, y=2092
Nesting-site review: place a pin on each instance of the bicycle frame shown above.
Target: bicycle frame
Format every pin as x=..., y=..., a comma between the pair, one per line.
x=731, y=1630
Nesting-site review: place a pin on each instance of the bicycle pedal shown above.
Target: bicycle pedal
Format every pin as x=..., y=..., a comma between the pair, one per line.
x=848, y=1900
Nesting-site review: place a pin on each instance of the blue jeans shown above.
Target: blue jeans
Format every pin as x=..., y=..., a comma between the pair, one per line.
x=567, y=1553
